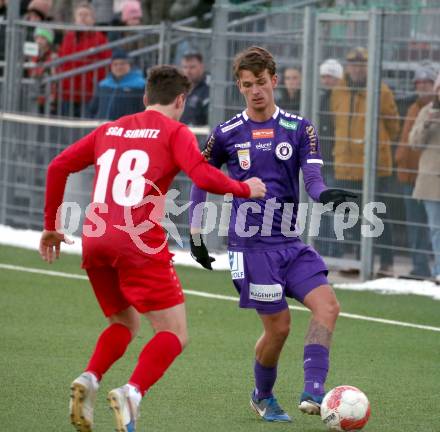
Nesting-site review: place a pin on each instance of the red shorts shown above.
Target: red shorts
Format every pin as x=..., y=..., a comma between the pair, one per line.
x=149, y=288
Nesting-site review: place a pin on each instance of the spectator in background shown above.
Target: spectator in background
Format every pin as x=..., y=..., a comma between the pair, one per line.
x=121, y=92
x=78, y=90
x=44, y=38
x=38, y=10
x=407, y=161
x=289, y=93
x=131, y=15
x=3, y=9
x=197, y=101
x=348, y=104
x=331, y=73
x=425, y=137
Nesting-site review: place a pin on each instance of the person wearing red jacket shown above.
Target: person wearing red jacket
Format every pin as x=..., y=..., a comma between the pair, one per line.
x=125, y=250
x=79, y=89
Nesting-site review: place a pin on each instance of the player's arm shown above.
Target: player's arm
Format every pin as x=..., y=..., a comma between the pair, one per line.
x=204, y=170
x=311, y=163
x=74, y=158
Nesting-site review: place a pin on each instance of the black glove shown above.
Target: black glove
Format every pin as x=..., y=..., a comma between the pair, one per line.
x=336, y=196
x=200, y=253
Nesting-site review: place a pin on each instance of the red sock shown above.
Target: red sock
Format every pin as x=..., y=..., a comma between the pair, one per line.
x=110, y=347
x=155, y=359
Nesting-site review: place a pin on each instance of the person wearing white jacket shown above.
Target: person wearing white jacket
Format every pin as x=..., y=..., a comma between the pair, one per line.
x=425, y=135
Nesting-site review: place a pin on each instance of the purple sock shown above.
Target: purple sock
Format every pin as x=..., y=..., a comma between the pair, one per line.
x=265, y=378
x=316, y=363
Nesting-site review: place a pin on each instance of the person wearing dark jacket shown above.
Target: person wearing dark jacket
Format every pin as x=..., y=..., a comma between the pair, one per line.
x=121, y=92
x=197, y=101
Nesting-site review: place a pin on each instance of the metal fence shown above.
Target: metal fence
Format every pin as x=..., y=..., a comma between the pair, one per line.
x=29, y=144
x=359, y=149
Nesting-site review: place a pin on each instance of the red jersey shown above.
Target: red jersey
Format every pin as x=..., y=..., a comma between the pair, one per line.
x=136, y=158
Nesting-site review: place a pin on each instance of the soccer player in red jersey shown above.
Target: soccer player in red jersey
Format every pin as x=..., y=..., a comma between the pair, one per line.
x=125, y=252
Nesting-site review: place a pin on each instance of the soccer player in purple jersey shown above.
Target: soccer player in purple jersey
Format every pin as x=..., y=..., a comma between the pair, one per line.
x=268, y=261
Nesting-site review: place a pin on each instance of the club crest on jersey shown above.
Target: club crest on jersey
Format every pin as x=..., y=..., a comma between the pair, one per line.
x=244, y=159
x=284, y=151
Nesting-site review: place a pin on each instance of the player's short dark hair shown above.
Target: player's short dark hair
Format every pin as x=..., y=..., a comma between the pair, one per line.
x=255, y=59
x=193, y=55
x=164, y=84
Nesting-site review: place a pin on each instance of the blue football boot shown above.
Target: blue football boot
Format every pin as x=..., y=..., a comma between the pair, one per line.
x=269, y=409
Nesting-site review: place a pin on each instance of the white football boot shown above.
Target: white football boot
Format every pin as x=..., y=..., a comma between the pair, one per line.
x=125, y=407
x=82, y=401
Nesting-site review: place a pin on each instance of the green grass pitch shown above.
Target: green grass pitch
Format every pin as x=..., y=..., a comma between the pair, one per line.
x=48, y=327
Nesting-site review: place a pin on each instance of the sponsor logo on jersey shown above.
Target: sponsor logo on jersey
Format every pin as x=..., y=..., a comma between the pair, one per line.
x=284, y=150
x=264, y=146
x=114, y=131
x=244, y=145
x=262, y=134
x=292, y=125
x=265, y=293
x=231, y=126
x=313, y=139
x=236, y=264
x=244, y=159
x=141, y=133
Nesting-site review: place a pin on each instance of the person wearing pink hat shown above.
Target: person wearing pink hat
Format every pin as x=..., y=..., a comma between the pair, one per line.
x=131, y=13
x=38, y=10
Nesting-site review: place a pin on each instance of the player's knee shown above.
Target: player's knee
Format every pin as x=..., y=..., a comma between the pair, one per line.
x=183, y=338
x=329, y=310
x=132, y=322
x=334, y=309
x=281, y=331
x=134, y=329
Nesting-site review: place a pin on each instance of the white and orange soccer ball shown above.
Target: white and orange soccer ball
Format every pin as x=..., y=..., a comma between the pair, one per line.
x=345, y=408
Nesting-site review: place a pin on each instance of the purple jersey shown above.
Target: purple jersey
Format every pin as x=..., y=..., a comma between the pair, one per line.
x=273, y=150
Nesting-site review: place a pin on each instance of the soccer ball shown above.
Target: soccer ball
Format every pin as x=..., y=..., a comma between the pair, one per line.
x=345, y=408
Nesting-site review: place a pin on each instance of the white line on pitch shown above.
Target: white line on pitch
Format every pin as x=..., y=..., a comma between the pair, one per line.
x=225, y=297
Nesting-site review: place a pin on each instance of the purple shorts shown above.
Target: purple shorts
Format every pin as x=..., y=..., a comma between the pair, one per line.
x=264, y=279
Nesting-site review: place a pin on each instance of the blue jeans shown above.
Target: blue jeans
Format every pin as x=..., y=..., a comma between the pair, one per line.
x=433, y=213
x=418, y=236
